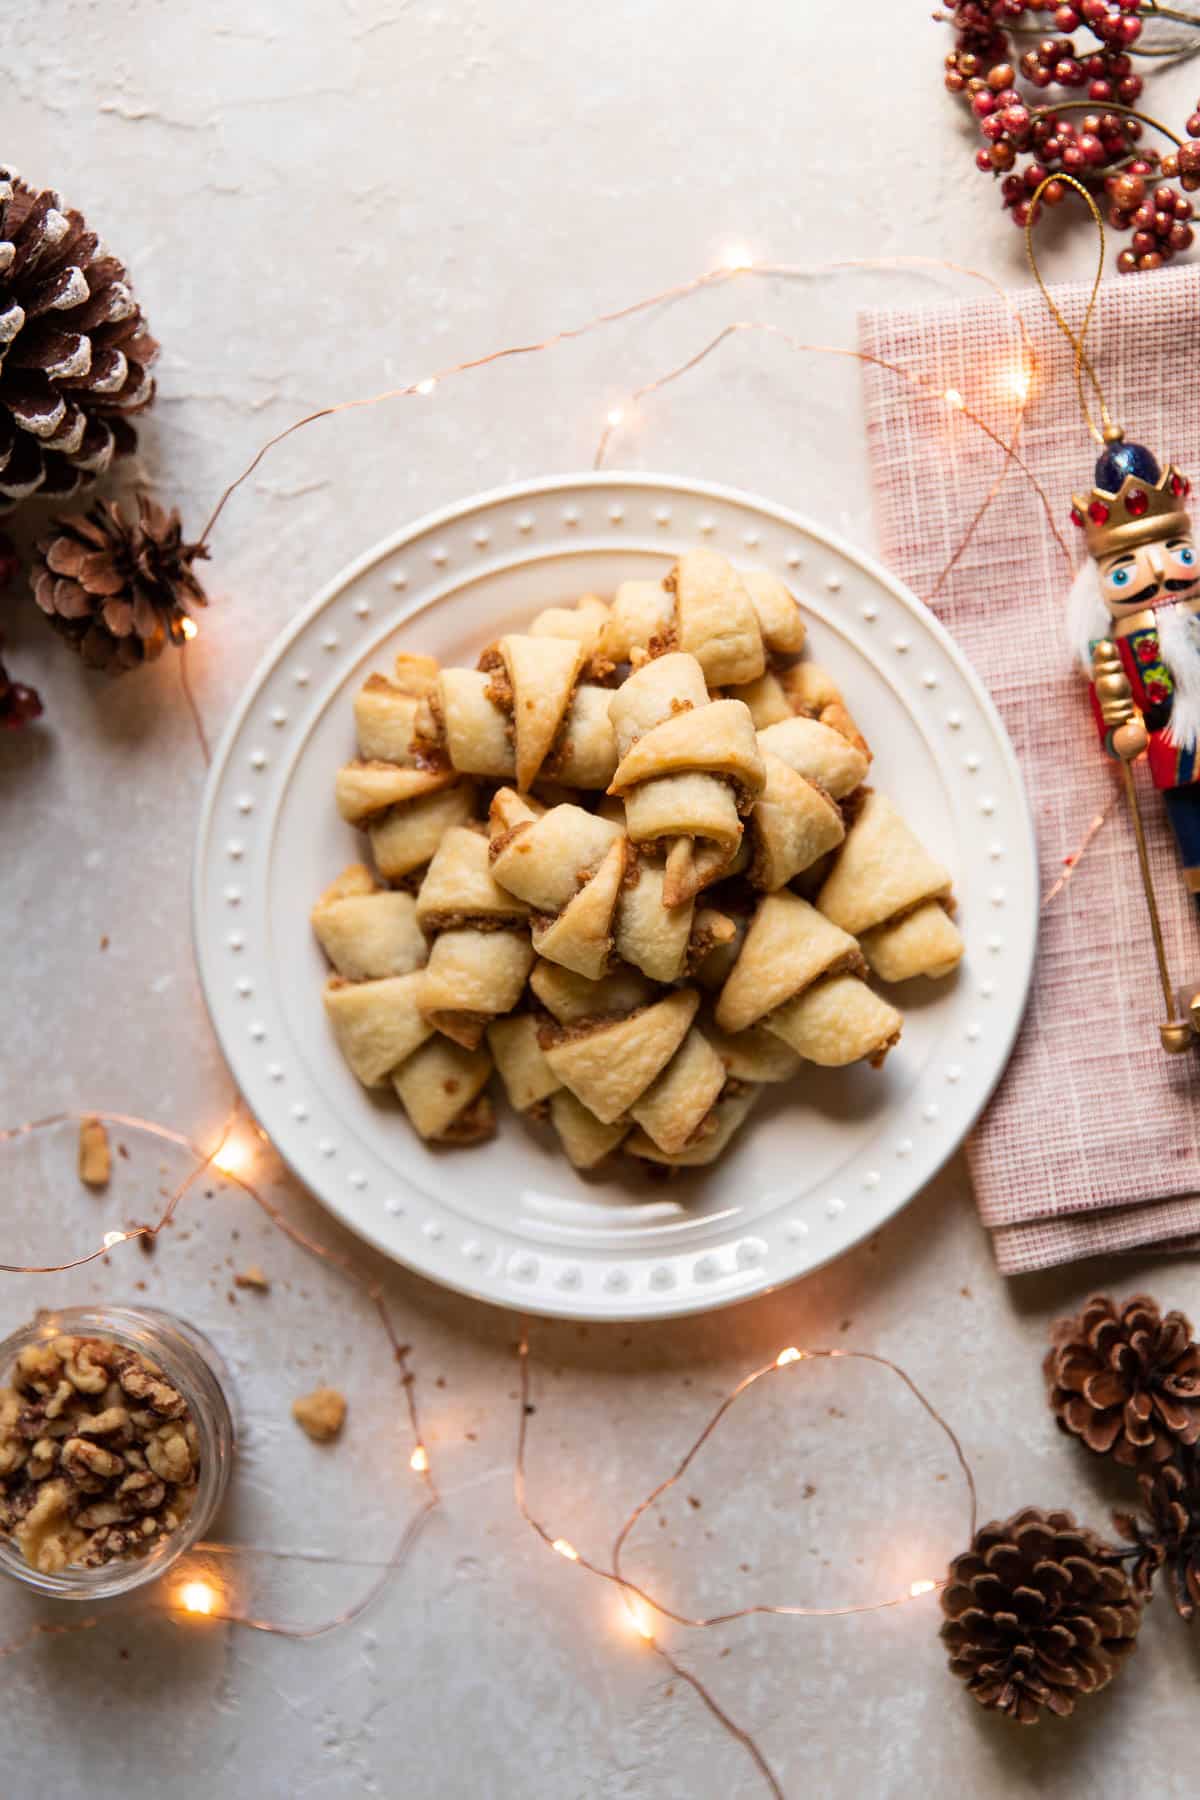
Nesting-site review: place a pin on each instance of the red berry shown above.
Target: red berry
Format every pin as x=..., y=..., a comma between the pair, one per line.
x=1073, y=159
x=1054, y=193
x=1129, y=89
x=1020, y=214
x=1131, y=29
x=1066, y=18
x=1003, y=156
x=1001, y=77
x=1153, y=260
x=983, y=104
x=1128, y=191
x=1144, y=242
x=1183, y=208
x=1181, y=237
x=992, y=128
x=1068, y=72
x=1100, y=90
x=1093, y=150
x=1127, y=262
x=1193, y=125
x=1143, y=218
x=1013, y=188
x=1164, y=197
x=1035, y=174
x=19, y=705
x=983, y=160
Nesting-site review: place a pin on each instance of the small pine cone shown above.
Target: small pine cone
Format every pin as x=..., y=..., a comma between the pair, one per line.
x=1037, y=1615
x=75, y=354
x=1169, y=1534
x=119, y=590
x=1126, y=1380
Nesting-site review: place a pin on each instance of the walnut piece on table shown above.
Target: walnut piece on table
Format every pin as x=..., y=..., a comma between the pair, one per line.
x=321, y=1414
x=253, y=1277
x=95, y=1156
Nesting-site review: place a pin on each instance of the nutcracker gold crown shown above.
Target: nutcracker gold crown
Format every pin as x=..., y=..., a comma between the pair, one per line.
x=1132, y=511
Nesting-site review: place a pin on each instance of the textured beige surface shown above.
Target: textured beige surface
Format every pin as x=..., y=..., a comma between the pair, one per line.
x=318, y=200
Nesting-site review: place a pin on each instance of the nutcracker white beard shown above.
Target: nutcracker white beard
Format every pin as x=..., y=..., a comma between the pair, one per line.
x=1179, y=645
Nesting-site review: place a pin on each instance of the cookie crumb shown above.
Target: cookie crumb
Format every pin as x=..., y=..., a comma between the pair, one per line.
x=320, y=1413
x=253, y=1277
x=95, y=1156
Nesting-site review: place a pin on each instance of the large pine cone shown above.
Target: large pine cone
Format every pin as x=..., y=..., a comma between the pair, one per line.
x=1169, y=1534
x=1036, y=1615
x=119, y=591
x=1126, y=1381
x=74, y=350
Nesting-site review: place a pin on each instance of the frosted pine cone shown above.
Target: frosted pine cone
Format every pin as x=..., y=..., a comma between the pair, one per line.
x=74, y=350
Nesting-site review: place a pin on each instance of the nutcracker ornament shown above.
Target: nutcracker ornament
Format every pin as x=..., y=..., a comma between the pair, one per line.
x=1134, y=620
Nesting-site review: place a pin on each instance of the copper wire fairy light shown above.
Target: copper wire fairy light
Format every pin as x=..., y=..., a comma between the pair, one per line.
x=640, y=1602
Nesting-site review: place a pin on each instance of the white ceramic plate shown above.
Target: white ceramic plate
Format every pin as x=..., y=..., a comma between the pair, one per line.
x=823, y=1161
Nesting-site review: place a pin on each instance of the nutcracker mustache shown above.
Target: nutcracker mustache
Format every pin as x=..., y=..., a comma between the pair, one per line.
x=1154, y=589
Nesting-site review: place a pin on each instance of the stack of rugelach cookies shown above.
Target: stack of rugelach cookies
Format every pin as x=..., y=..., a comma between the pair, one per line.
x=631, y=864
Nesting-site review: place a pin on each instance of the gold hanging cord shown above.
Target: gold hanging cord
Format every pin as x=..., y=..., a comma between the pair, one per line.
x=1083, y=365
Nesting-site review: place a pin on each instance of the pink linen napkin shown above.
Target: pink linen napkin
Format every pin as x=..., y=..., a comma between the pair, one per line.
x=1092, y=1141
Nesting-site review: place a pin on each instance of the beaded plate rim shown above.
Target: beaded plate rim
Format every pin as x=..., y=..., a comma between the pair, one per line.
x=595, y=511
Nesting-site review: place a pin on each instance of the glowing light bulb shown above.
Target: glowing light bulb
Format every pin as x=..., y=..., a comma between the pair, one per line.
x=427, y=386
x=638, y=1616
x=565, y=1549
x=197, y=1597
x=419, y=1460
x=917, y=1588
x=953, y=398
x=232, y=1157
x=189, y=628
x=737, y=257
x=113, y=1238
x=790, y=1355
x=616, y=414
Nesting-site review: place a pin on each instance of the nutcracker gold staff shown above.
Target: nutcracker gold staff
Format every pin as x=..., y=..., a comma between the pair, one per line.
x=1134, y=619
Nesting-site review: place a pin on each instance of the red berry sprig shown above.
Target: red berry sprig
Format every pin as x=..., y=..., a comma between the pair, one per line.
x=1027, y=142
x=19, y=704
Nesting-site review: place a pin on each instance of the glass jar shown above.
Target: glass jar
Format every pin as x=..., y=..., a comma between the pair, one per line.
x=195, y=1368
